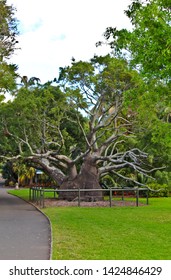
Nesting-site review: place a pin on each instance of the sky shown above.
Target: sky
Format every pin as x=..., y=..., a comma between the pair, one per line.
x=54, y=31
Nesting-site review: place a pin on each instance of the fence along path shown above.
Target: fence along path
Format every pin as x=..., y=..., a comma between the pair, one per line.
x=37, y=194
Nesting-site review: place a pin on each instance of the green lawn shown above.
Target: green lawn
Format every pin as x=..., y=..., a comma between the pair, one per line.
x=125, y=233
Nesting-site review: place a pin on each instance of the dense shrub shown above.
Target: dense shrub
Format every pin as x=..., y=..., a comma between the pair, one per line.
x=159, y=190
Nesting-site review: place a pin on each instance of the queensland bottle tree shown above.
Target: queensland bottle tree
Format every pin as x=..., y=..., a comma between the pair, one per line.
x=81, y=129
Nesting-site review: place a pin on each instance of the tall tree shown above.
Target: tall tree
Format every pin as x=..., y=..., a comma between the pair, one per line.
x=79, y=131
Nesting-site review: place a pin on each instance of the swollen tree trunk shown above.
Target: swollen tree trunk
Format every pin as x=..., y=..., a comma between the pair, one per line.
x=88, y=179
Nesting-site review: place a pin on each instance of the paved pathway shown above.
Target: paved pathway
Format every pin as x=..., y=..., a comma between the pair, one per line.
x=24, y=231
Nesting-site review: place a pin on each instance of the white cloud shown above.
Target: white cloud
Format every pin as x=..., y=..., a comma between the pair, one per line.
x=53, y=31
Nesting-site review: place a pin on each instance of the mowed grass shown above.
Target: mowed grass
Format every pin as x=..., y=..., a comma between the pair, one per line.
x=118, y=233
x=24, y=193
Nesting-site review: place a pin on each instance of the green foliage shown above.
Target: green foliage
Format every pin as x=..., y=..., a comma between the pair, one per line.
x=151, y=33
x=163, y=177
x=8, y=41
x=8, y=30
x=100, y=87
x=8, y=173
x=108, y=181
x=24, y=172
x=153, y=125
x=7, y=77
x=160, y=190
x=41, y=117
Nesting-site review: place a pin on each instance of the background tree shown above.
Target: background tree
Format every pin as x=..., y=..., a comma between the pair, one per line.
x=8, y=41
x=147, y=47
x=8, y=173
x=24, y=173
x=148, y=44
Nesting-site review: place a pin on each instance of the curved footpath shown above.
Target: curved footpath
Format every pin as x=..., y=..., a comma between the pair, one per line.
x=25, y=233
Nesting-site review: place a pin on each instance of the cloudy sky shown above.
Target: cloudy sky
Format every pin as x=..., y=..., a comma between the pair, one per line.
x=54, y=31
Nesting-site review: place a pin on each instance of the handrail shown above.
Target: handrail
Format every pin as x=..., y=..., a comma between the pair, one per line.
x=37, y=193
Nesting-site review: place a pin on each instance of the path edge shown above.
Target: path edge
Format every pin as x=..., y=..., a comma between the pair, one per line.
x=50, y=224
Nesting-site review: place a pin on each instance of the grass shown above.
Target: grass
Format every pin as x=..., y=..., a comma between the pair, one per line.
x=125, y=233
x=24, y=193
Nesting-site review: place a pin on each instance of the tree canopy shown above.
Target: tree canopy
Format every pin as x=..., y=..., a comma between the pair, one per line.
x=8, y=41
x=81, y=129
x=147, y=48
x=148, y=44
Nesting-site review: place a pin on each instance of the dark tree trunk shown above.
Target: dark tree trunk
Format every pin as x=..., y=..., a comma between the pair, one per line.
x=87, y=179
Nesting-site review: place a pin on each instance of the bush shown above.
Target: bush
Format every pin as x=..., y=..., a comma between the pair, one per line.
x=159, y=190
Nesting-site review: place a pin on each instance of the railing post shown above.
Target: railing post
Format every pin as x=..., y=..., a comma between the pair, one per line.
x=137, y=197
x=110, y=198
x=29, y=194
x=37, y=193
x=122, y=194
x=147, y=196
x=33, y=194
x=41, y=197
x=78, y=197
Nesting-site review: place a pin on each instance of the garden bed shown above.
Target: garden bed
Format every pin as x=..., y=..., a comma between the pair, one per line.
x=65, y=203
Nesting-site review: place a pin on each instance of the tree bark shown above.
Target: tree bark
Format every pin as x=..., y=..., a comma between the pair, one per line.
x=88, y=179
x=55, y=173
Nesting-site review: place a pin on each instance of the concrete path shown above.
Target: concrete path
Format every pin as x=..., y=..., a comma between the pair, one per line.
x=25, y=232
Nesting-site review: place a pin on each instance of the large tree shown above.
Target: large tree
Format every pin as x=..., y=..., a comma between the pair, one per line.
x=80, y=130
x=102, y=113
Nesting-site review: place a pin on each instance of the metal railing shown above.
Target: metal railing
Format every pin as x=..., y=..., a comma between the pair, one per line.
x=37, y=194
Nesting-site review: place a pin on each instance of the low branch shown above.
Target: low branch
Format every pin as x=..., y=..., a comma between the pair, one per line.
x=129, y=179
x=11, y=158
x=109, y=168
